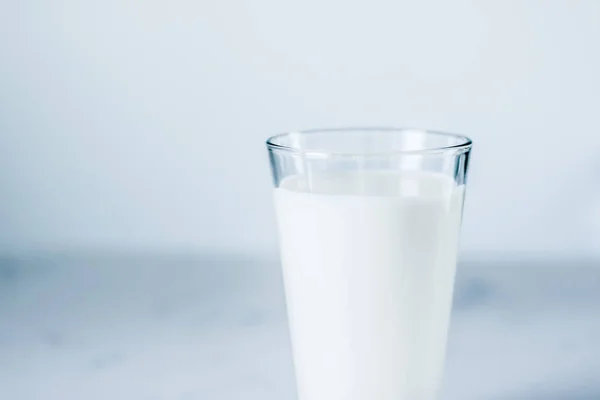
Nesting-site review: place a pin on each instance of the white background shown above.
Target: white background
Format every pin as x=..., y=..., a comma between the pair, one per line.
x=140, y=124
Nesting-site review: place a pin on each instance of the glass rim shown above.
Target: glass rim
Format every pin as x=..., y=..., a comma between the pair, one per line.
x=463, y=144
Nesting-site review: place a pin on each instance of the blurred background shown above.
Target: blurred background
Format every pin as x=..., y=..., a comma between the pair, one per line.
x=136, y=199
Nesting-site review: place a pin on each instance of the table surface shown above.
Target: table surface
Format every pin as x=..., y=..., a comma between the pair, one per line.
x=214, y=328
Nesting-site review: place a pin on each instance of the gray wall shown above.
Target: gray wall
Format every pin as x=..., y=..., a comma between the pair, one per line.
x=140, y=124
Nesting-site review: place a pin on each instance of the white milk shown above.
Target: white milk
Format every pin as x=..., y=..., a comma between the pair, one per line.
x=368, y=263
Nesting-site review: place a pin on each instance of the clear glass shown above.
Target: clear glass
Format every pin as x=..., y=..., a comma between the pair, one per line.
x=368, y=222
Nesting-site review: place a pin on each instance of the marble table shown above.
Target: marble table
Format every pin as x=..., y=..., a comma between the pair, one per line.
x=213, y=327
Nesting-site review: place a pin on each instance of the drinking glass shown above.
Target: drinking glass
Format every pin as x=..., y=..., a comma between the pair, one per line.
x=368, y=222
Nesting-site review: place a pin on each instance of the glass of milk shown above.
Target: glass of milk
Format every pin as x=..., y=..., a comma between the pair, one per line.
x=368, y=223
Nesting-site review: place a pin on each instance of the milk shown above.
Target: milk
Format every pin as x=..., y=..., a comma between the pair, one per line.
x=368, y=263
